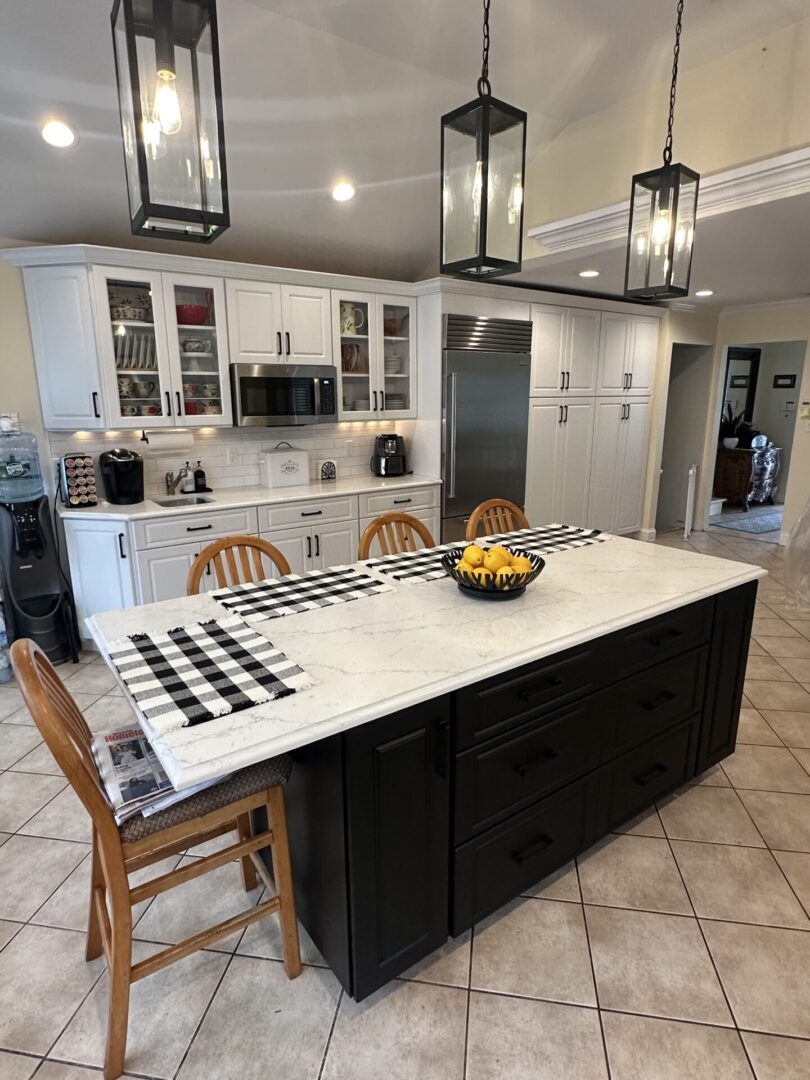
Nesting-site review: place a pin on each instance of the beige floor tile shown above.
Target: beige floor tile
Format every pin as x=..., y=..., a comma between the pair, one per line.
x=407, y=1031
x=765, y=667
x=783, y=819
x=779, y=647
x=777, y=695
x=766, y=974
x=164, y=1012
x=563, y=884
x=793, y=728
x=16, y=1066
x=7, y=932
x=766, y=768
x=15, y=743
x=58, y=1070
x=90, y=679
x=448, y=965
x=712, y=777
x=11, y=701
x=755, y=649
x=739, y=884
x=797, y=666
x=512, y=1039
x=802, y=625
x=654, y=964
x=715, y=815
x=109, y=711
x=796, y=867
x=646, y=824
x=772, y=627
x=3, y=837
x=31, y=868
x=64, y=818
x=45, y=967
x=22, y=715
x=534, y=948
x=755, y=731
x=22, y=795
x=633, y=872
x=263, y=939
x=643, y=1048
x=38, y=760
x=803, y=757
x=777, y=1058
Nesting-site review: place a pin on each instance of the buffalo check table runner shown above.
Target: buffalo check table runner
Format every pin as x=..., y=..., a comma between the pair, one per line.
x=426, y=564
x=193, y=673
x=275, y=597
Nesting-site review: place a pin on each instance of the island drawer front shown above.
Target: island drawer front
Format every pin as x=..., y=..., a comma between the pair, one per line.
x=650, y=642
x=201, y=525
x=501, y=777
x=634, y=781
x=489, y=707
x=385, y=502
x=501, y=863
x=311, y=512
x=657, y=699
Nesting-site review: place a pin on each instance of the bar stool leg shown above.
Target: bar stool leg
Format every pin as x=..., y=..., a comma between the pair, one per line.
x=94, y=948
x=282, y=872
x=249, y=877
x=119, y=976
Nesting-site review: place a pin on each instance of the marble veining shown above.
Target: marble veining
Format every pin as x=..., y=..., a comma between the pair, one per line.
x=399, y=648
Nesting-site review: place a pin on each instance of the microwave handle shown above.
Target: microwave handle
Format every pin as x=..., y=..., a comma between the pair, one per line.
x=317, y=393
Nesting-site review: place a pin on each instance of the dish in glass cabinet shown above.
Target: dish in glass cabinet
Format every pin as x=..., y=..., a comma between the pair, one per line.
x=494, y=573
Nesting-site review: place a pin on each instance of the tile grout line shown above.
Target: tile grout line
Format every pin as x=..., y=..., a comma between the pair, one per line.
x=205, y=1012
x=593, y=968
x=469, y=1003
x=331, y=1032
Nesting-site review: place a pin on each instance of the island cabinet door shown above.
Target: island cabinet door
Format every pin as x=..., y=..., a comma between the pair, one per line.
x=398, y=808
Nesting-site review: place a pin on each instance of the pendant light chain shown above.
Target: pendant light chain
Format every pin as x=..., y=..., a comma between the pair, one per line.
x=675, y=58
x=484, y=87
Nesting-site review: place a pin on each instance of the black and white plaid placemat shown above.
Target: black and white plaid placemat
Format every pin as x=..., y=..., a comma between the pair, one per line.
x=298, y=592
x=193, y=673
x=426, y=564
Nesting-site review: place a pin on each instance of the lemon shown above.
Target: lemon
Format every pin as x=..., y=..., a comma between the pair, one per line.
x=504, y=576
x=494, y=560
x=521, y=565
x=507, y=555
x=474, y=555
x=482, y=575
x=464, y=567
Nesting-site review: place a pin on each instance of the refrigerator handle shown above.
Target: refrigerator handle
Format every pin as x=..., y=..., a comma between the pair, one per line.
x=451, y=435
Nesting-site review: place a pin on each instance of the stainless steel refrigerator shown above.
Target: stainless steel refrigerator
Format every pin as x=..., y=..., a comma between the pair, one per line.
x=485, y=415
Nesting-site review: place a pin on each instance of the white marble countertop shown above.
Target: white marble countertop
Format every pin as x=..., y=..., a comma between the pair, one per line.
x=228, y=498
x=372, y=656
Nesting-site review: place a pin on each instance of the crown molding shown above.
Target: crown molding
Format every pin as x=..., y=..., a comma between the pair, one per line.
x=748, y=185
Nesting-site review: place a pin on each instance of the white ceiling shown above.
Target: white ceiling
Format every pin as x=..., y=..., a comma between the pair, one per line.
x=318, y=88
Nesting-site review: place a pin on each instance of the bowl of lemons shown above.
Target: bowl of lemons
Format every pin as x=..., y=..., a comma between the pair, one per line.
x=494, y=573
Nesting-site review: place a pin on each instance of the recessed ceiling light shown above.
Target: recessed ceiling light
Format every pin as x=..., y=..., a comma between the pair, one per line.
x=343, y=191
x=705, y=292
x=58, y=133
x=589, y=273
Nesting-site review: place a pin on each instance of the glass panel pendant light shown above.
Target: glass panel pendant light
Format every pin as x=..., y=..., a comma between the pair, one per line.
x=170, y=98
x=663, y=208
x=483, y=166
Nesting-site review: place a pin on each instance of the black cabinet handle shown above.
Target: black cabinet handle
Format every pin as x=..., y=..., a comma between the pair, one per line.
x=443, y=749
x=630, y=381
x=663, y=637
x=535, y=848
x=280, y=349
x=399, y=502
x=309, y=547
x=168, y=404
x=94, y=397
x=317, y=545
x=561, y=414
x=658, y=701
x=179, y=405
x=382, y=400
x=287, y=339
x=562, y=380
x=566, y=413
x=539, y=691
x=568, y=380
x=527, y=767
x=311, y=513
x=651, y=774
x=199, y=528
x=121, y=545
x=375, y=401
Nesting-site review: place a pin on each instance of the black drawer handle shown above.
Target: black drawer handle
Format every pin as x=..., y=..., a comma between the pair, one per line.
x=443, y=749
x=529, y=852
x=311, y=513
x=657, y=702
x=663, y=638
x=527, y=767
x=121, y=545
x=398, y=502
x=198, y=528
x=651, y=774
x=539, y=691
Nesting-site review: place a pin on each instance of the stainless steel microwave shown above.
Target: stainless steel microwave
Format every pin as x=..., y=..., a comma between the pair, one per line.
x=283, y=395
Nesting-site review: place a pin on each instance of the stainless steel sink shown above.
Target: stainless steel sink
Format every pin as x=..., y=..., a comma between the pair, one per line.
x=183, y=500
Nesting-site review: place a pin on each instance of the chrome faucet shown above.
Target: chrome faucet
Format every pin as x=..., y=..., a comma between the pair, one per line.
x=173, y=482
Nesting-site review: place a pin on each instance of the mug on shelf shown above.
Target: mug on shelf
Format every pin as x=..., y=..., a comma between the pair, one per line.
x=197, y=345
x=143, y=388
x=352, y=319
x=209, y=390
x=125, y=388
x=191, y=389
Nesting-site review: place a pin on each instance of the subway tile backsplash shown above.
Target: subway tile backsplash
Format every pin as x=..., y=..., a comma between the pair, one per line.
x=230, y=456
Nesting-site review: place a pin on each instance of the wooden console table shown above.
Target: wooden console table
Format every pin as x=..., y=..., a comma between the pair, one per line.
x=747, y=476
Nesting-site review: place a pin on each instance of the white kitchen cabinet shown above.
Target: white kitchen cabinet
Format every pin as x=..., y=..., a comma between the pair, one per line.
x=61, y=317
x=643, y=356
x=627, y=354
x=565, y=351
x=163, y=572
x=198, y=352
x=375, y=342
x=558, y=462
x=316, y=547
x=254, y=322
x=619, y=464
x=307, y=329
x=101, y=566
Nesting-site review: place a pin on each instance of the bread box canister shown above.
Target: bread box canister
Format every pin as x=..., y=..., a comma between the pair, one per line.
x=284, y=466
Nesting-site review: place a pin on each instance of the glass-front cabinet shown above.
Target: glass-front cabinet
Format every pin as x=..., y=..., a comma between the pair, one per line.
x=198, y=349
x=374, y=355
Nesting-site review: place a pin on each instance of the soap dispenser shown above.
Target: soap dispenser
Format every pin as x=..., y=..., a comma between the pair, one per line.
x=199, y=479
x=187, y=483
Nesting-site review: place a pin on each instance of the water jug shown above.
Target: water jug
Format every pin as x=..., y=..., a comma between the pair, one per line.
x=20, y=475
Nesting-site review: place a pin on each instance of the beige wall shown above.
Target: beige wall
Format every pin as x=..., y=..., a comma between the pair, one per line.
x=738, y=108
x=18, y=381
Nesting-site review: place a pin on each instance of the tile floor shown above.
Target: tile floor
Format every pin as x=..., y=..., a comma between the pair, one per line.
x=678, y=948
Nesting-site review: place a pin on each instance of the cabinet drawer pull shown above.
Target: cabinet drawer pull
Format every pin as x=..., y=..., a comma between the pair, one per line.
x=287, y=339
x=399, y=502
x=657, y=702
x=168, y=403
x=121, y=545
x=535, y=848
x=664, y=637
x=443, y=749
x=651, y=774
x=527, y=767
x=96, y=413
x=309, y=547
x=539, y=691
x=317, y=545
x=311, y=513
x=199, y=528
x=279, y=350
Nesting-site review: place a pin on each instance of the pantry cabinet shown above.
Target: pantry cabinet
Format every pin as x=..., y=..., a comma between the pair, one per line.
x=559, y=460
x=627, y=352
x=375, y=343
x=101, y=566
x=619, y=464
x=278, y=324
x=565, y=351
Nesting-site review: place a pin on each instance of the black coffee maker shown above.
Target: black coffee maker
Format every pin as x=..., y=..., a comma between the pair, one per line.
x=122, y=476
x=389, y=456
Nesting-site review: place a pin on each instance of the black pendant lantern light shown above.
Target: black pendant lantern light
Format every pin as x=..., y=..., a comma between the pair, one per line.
x=663, y=209
x=483, y=167
x=170, y=98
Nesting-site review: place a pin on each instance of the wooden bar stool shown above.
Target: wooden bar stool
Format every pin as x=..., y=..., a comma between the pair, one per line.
x=251, y=551
x=139, y=841
x=496, y=516
x=394, y=533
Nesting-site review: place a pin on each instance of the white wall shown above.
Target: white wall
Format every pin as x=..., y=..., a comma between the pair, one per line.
x=770, y=414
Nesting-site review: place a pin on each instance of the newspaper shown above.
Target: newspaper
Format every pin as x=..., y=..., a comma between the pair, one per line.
x=132, y=775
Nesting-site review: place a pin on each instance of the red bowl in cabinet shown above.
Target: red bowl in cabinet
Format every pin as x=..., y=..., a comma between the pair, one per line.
x=192, y=314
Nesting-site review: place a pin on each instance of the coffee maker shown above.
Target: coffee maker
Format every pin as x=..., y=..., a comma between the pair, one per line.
x=389, y=456
x=122, y=475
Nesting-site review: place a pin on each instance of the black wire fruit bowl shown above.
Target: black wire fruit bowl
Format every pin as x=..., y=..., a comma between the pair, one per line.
x=489, y=586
